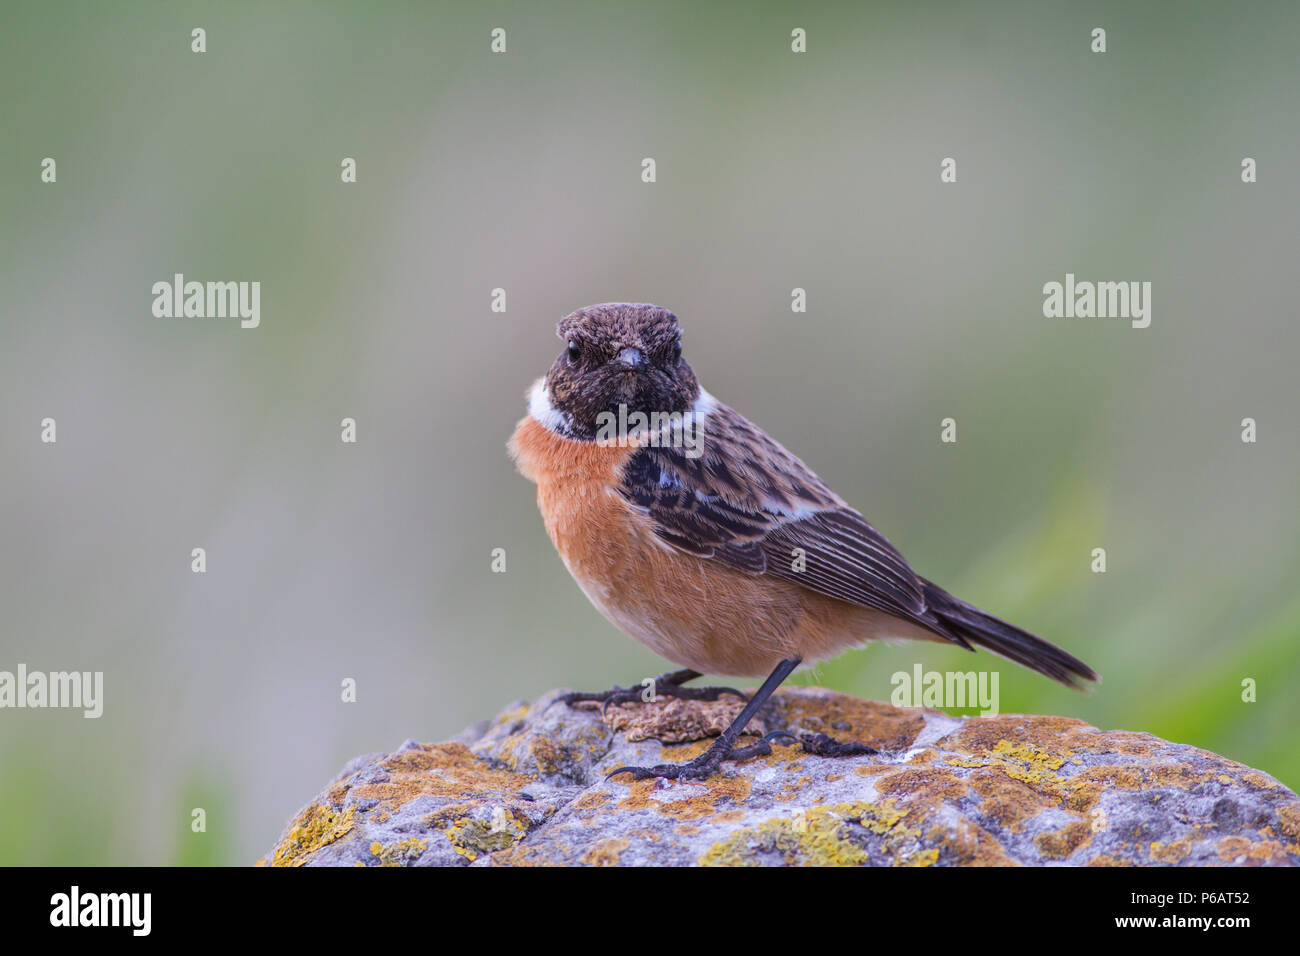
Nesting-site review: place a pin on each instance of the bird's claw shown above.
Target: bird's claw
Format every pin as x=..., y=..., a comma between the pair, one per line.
x=696, y=769
x=710, y=761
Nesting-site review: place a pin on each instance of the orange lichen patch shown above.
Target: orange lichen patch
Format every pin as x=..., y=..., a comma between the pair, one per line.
x=591, y=800
x=734, y=789
x=1241, y=851
x=683, y=753
x=697, y=808
x=1132, y=744
x=1059, y=735
x=1172, y=853
x=605, y=852
x=1081, y=796
x=1039, y=769
x=1289, y=818
x=1153, y=776
x=521, y=854
x=638, y=795
x=546, y=754
x=315, y=827
x=1104, y=859
x=337, y=791
x=730, y=788
x=850, y=719
x=1058, y=844
x=1010, y=802
x=934, y=785
x=443, y=770
x=1260, y=781
x=673, y=720
x=970, y=845
x=873, y=770
x=686, y=829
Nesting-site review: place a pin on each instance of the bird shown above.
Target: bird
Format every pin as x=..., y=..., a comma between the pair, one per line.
x=701, y=537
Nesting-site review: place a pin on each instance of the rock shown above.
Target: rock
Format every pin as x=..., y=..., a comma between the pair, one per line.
x=528, y=788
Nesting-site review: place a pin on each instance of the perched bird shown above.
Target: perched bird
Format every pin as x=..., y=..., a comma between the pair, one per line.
x=708, y=542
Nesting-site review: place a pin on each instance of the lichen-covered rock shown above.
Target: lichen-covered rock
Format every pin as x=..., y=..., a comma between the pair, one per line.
x=529, y=788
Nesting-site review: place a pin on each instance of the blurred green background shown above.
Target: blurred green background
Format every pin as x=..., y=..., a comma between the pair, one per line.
x=522, y=171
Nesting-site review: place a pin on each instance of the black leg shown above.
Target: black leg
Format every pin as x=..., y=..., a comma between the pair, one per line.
x=724, y=747
x=665, y=685
x=706, y=763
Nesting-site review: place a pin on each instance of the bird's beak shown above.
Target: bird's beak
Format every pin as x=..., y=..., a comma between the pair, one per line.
x=631, y=358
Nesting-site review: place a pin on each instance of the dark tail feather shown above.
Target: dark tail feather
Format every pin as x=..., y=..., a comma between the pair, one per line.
x=984, y=630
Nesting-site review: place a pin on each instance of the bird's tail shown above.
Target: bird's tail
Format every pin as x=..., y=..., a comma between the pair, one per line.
x=984, y=630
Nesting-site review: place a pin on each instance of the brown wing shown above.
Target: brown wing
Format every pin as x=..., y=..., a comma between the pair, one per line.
x=750, y=504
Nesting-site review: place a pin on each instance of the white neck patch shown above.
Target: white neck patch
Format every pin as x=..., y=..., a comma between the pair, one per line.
x=546, y=414
x=552, y=419
x=704, y=403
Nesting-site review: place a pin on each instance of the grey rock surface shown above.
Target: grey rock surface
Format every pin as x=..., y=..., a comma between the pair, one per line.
x=529, y=788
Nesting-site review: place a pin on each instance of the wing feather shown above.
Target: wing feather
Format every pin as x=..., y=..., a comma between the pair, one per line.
x=752, y=505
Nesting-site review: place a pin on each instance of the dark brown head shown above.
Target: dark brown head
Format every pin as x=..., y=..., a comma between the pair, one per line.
x=617, y=353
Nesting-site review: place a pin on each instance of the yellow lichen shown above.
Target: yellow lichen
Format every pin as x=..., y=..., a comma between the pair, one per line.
x=471, y=837
x=315, y=827
x=922, y=858
x=1021, y=761
x=821, y=836
x=399, y=853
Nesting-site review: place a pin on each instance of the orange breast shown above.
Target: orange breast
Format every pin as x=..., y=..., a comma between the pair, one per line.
x=695, y=612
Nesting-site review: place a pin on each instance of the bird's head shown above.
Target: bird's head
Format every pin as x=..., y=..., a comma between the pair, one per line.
x=615, y=354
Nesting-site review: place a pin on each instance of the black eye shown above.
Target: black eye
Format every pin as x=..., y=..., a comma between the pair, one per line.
x=677, y=350
x=574, y=352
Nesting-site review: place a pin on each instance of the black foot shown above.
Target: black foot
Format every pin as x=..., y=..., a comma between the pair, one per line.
x=665, y=685
x=707, y=763
x=824, y=746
